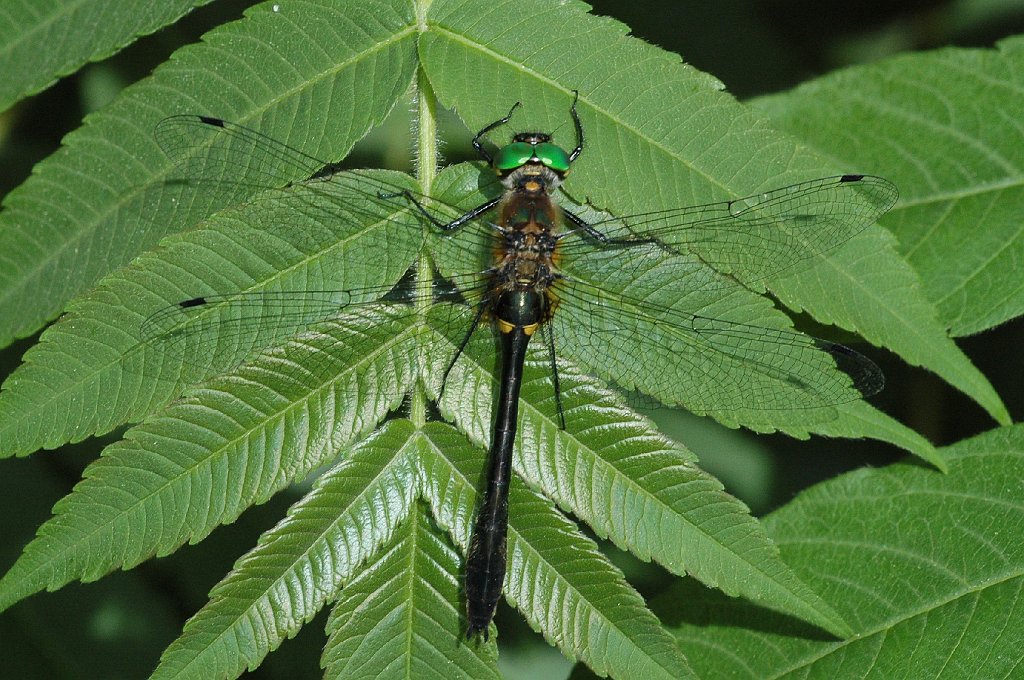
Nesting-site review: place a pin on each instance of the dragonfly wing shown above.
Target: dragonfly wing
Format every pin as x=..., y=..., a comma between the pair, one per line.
x=211, y=150
x=228, y=164
x=215, y=333
x=708, y=365
x=759, y=236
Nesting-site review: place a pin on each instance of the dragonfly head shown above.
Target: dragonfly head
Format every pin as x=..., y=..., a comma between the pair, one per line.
x=531, y=148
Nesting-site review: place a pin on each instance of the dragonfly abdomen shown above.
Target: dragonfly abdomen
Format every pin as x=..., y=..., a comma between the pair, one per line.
x=518, y=315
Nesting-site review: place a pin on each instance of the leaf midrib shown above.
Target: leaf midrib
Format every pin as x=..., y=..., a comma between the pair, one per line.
x=26, y=37
x=887, y=625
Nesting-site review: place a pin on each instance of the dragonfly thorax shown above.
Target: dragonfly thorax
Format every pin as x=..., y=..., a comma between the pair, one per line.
x=525, y=257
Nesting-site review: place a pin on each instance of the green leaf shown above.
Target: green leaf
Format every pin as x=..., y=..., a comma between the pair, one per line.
x=217, y=437
x=686, y=143
x=955, y=154
x=556, y=576
x=323, y=236
x=226, y=446
x=927, y=567
x=299, y=565
x=706, y=374
x=610, y=468
x=883, y=428
x=26, y=25
x=111, y=193
x=883, y=294
x=396, y=617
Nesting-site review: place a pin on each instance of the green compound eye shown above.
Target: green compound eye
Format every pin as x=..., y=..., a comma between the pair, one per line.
x=518, y=154
x=515, y=155
x=553, y=156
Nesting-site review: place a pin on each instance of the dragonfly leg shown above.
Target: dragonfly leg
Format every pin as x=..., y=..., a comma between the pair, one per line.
x=471, y=215
x=449, y=226
x=480, y=311
x=501, y=121
x=549, y=332
x=579, y=128
x=604, y=239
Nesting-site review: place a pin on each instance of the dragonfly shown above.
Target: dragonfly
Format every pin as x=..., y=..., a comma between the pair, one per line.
x=605, y=276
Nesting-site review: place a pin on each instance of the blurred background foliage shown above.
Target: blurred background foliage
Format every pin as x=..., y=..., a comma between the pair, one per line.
x=118, y=626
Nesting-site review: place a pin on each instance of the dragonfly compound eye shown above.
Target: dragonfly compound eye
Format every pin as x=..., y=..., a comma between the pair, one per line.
x=553, y=156
x=513, y=156
x=518, y=154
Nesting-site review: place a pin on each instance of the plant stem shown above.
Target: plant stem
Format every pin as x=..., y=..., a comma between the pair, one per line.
x=426, y=171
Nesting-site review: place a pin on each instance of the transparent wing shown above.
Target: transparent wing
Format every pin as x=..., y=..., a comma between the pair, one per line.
x=216, y=333
x=233, y=162
x=207, y=148
x=761, y=235
x=703, y=363
x=650, y=324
